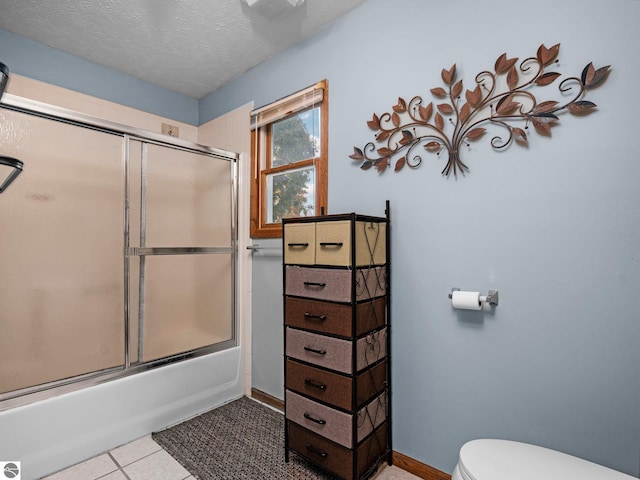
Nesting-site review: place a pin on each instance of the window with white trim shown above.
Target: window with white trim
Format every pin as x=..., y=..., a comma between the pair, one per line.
x=289, y=151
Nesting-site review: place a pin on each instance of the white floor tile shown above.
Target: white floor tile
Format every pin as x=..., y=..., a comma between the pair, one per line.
x=157, y=466
x=89, y=470
x=117, y=475
x=135, y=450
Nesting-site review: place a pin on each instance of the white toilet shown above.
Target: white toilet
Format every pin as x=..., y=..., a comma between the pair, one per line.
x=489, y=459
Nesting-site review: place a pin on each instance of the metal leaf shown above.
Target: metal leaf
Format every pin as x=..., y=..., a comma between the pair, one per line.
x=456, y=90
x=366, y=165
x=547, y=55
x=400, y=163
x=439, y=92
x=425, y=112
x=374, y=123
x=503, y=64
x=383, y=135
x=439, y=121
x=407, y=137
x=384, y=152
x=546, y=78
x=474, y=97
x=433, y=147
x=465, y=111
x=506, y=105
x=475, y=133
x=401, y=106
x=512, y=78
x=520, y=136
x=382, y=164
x=587, y=73
x=357, y=154
x=445, y=108
x=545, y=106
x=581, y=107
x=395, y=118
x=446, y=76
x=599, y=76
x=543, y=128
x=449, y=76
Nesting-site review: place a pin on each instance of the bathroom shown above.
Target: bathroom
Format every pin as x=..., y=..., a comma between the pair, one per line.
x=554, y=227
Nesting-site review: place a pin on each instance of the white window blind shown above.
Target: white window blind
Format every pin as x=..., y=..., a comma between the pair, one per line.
x=288, y=105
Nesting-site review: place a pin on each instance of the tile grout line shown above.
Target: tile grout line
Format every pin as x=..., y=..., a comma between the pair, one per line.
x=120, y=467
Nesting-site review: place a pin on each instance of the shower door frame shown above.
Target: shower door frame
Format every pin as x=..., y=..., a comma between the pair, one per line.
x=51, y=389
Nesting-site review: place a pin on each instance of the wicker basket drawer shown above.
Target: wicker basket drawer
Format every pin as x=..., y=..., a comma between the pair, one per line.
x=334, y=318
x=333, y=388
x=335, y=353
x=335, y=425
x=335, y=284
x=334, y=457
x=299, y=243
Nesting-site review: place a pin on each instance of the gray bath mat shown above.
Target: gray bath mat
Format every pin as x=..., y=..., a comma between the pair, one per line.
x=242, y=440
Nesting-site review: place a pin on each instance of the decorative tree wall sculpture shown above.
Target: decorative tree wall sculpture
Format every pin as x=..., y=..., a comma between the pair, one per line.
x=501, y=98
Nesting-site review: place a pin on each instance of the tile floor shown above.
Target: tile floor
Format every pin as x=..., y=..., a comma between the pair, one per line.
x=144, y=459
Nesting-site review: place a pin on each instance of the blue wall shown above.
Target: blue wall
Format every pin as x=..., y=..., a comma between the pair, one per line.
x=554, y=227
x=40, y=62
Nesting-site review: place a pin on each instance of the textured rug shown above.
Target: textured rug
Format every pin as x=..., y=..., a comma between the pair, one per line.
x=242, y=440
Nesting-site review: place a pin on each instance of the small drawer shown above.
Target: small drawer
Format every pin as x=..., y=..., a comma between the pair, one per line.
x=335, y=353
x=333, y=243
x=322, y=385
x=335, y=284
x=332, y=424
x=334, y=318
x=299, y=243
x=320, y=283
x=336, y=458
x=323, y=420
x=327, y=352
x=333, y=388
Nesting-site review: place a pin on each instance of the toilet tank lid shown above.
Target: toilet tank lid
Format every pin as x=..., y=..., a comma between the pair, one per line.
x=492, y=459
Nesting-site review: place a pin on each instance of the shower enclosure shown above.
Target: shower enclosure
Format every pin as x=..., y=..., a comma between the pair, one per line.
x=117, y=251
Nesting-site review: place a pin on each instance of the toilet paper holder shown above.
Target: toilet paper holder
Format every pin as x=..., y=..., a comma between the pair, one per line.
x=491, y=297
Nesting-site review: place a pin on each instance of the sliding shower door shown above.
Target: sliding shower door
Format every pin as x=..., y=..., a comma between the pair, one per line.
x=61, y=267
x=181, y=251
x=117, y=252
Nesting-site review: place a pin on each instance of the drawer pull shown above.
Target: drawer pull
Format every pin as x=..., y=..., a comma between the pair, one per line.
x=331, y=244
x=303, y=245
x=313, y=350
x=311, y=383
x=315, y=284
x=322, y=318
x=319, y=421
x=316, y=451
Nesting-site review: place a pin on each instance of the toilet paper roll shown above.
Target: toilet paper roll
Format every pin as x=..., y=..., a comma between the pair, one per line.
x=466, y=300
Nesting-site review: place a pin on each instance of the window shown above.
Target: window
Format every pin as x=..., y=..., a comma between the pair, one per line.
x=289, y=151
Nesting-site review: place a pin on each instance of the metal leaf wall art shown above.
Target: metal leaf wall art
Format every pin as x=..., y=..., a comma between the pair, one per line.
x=502, y=99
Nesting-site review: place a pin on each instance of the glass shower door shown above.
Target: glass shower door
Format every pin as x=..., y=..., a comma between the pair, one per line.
x=61, y=265
x=181, y=251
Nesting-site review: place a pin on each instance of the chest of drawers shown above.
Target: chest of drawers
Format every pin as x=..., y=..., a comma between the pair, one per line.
x=337, y=342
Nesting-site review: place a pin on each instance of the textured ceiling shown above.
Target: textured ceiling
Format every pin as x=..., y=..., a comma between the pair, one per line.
x=188, y=46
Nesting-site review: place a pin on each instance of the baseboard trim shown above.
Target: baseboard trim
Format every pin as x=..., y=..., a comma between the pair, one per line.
x=417, y=468
x=268, y=399
x=400, y=460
